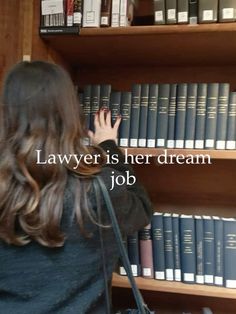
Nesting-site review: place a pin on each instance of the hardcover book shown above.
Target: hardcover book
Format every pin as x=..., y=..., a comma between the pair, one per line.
x=208, y=11
x=199, y=250
x=146, y=253
x=158, y=246
x=209, y=249
x=219, y=254
x=176, y=243
x=171, y=11
x=91, y=13
x=152, y=115
x=172, y=116
x=135, y=114
x=231, y=123
x=162, y=115
x=159, y=11
x=142, y=140
x=200, y=116
x=168, y=247
x=106, y=13
x=125, y=122
x=193, y=11
x=180, y=115
x=227, y=11
x=190, y=115
x=183, y=12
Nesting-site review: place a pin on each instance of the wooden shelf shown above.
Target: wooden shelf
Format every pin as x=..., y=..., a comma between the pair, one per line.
x=174, y=287
x=206, y=44
x=214, y=154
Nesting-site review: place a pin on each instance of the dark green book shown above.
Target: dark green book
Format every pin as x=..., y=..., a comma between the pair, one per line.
x=208, y=11
x=135, y=114
x=200, y=116
x=115, y=101
x=172, y=116
x=180, y=115
x=162, y=115
x=227, y=11
x=142, y=140
x=231, y=123
x=152, y=115
x=209, y=249
x=168, y=247
x=125, y=109
x=176, y=243
x=190, y=115
x=171, y=11
x=183, y=12
x=159, y=12
x=199, y=249
x=219, y=253
x=105, y=93
x=95, y=102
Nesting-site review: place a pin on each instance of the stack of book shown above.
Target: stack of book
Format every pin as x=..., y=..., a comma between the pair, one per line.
x=191, y=249
x=192, y=116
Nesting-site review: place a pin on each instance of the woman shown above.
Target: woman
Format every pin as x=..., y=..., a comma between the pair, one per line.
x=50, y=257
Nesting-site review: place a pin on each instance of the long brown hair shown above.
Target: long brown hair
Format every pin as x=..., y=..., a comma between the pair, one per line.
x=39, y=111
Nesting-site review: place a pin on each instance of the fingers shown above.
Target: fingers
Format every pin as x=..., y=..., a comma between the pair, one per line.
x=117, y=123
x=108, y=118
x=90, y=135
x=101, y=115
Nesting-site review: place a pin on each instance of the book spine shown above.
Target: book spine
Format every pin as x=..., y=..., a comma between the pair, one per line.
x=168, y=247
x=95, y=101
x=152, y=115
x=69, y=12
x=176, y=243
x=77, y=15
x=87, y=107
x=193, y=11
x=231, y=123
x=188, y=253
x=183, y=12
x=208, y=11
x=229, y=252
x=115, y=13
x=143, y=115
x=227, y=11
x=159, y=11
x=135, y=115
x=191, y=115
x=105, y=93
x=123, y=13
x=91, y=13
x=211, y=115
x=158, y=246
x=146, y=254
x=121, y=268
x=199, y=250
x=105, y=13
x=115, y=102
x=209, y=250
x=171, y=11
x=200, y=116
x=125, y=114
x=162, y=115
x=222, y=114
x=180, y=115
x=172, y=116
x=219, y=255
x=133, y=253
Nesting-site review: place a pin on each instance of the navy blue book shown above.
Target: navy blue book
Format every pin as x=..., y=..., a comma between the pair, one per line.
x=142, y=139
x=211, y=115
x=95, y=102
x=135, y=114
x=188, y=251
x=180, y=115
x=191, y=115
x=199, y=249
x=158, y=246
x=105, y=92
x=168, y=247
x=125, y=110
x=133, y=253
x=231, y=123
x=209, y=249
x=171, y=117
x=176, y=243
x=219, y=253
x=222, y=115
x=152, y=115
x=162, y=115
x=229, y=252
x=115, y=101
x=200, y=116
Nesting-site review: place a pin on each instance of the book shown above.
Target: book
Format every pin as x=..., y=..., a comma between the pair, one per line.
x=183, y=12
x=115, y=13
x=199, y=249
x=176, y=244
x=200, y=116
x=171, y=11
x=125, y=111
x=105, y=92
x=231, y=123
x=95, y=101
x=222, y=115
x=188, y=252
x=193, y=11
x=180, y=115
x=53, y=13
x=87, y=105
x=135, y=114
x=77, y=15
x=158, y=246
x=219, y=254
x=115, y=101
x=171, y=117
x=208, y=11
x=133, y=253
x=69, y=12
x=227, y=11
x=229, y=252
x=209, y=250
x=159, y=11
x=91, y=13
x=162, y=115
x=168, y=246
x=146, y=255
x=142, y=139
x=152, y=115
x=211, y=115
x=190, y=115
x=105, y=13
x=123, y=13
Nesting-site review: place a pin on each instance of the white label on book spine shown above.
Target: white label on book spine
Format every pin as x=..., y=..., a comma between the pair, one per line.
x=179, y=143
x=158, y=16
x=124, y=142
x=170, y=144
x=77, y=18
x=230, y=145
x=218, y=281
x=220, y=144
x=228, y=13
x=171, y=14
x=177, y=275
x=142, y=142
x=207, y=15
x=104, y=20
x=150, y=143
x=199, y=144
x=122, y=271
x=147, y=272
x=52, y=7
x=230, y=283
x=210, y=143
x=189, y=277
x=209, y=278
x=69, y=21
x=133, y=142
x=160, y=142
x=183, y=17
x=189, y=143
x=134, y=270
x=160, y=275
x=200, y=279
x=169, y=274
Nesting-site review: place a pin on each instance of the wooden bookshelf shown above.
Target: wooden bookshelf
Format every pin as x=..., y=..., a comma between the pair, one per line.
x=174, y=287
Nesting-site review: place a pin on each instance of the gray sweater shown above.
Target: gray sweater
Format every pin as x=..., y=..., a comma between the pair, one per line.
x=69, y=280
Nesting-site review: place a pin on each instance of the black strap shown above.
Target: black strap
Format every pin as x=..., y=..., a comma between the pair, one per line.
x=142, y=307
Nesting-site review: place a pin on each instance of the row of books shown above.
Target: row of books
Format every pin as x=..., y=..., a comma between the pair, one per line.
x=93, y=13
x=200, y=116
x=194, y=11
x=191, y=249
